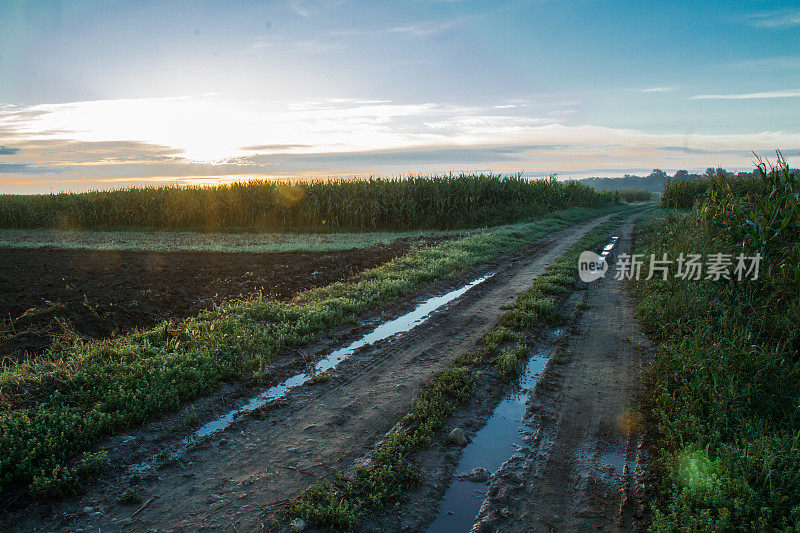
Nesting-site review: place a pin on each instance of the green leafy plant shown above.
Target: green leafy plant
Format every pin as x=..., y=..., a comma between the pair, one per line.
x=721, y=399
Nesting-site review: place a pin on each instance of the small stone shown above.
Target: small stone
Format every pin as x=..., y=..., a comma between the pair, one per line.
x=298, y=524
x=457, y=437
x=476, y=475
x=88, y=510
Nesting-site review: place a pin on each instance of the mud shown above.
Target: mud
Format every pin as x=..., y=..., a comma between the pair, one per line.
x=570, y=456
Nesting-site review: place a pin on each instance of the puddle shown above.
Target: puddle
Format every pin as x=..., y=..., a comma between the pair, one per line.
x=608, y=247
x=401, y=324
x=498, y=440
x=614, y=459
x=495, y=443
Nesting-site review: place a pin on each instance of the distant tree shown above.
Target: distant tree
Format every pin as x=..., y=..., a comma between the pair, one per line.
x=681, y=175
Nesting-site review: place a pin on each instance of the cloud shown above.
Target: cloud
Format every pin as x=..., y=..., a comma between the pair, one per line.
x=124, y=142
x=791, y=93
x=8, y=150
x=24, y=168
x=784, y=18
x=306, y=8
x=82, y=152
x=427, y=28
x=274, y=147
x=657, y=90
x=769, y=63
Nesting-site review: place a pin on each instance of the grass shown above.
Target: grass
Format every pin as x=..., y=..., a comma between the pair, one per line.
x=415, y=202
x=321, y=377
x=722, y=395
x=57, y=406
x=130, y=496
x=185, y=241
x=69, y=480
x=384, y=481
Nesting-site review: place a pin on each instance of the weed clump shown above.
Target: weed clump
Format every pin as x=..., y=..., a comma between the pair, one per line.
x=69, y=480
x=131, y=496
x=321, y=377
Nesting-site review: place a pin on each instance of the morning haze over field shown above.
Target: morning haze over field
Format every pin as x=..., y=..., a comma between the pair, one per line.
x=107, y=94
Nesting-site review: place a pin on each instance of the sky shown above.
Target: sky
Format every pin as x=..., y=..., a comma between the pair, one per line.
x=101, y=94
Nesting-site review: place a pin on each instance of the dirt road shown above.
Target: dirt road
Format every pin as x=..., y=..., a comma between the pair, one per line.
x=583, y=466
x=232, y=477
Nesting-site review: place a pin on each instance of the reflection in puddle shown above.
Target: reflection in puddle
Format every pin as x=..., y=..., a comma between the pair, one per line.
x=492, y=446
x=399, y=325
x=608, y=247
x=494, y=443
x=384, y=331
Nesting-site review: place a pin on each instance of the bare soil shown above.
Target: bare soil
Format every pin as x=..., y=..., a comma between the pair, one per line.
x=232, y=479
x=47, y=294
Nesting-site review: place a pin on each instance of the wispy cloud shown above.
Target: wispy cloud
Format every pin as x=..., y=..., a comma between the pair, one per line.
x=657, y=90
x=306, y=8
x=274, y=148
x=784, y=18
x=791, y=93
x=769, y=63
x=427, y=28
x=24, y=168
x=8, y=150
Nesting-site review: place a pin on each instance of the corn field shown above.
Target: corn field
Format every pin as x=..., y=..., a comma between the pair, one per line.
x=418, y=202
x=634, y=195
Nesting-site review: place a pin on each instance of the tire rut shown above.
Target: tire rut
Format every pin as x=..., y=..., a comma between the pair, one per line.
x=585, y=456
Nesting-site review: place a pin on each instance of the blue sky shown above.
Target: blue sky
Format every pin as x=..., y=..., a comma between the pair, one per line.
x=102, y=94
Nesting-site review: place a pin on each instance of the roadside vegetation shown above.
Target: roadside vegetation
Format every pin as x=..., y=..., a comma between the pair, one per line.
x=342, y=503
x=722, y=394
x=415, y=202
x=56, y=406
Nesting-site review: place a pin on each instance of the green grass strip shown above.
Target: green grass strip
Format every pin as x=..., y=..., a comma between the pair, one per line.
x=192, y=241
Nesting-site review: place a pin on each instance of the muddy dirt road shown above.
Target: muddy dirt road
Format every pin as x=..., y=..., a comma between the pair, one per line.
x=584, y=466
x=563, y=446
x=229, y=479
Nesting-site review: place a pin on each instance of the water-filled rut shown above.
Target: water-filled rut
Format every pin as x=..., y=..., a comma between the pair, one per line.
x=497, y=441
